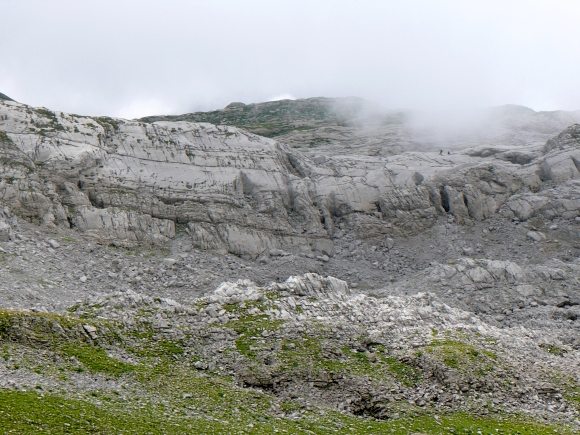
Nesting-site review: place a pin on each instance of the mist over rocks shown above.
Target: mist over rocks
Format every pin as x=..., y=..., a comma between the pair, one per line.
x=328, y=126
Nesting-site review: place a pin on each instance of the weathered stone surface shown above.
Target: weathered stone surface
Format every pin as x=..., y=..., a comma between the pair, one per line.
x=560, y=201
x=53, y=244
x=232, y=191
x=452, y=296
x=536, y=236
x=562, y=156
x=5, y=231
x=114, y=223
x=496, y=287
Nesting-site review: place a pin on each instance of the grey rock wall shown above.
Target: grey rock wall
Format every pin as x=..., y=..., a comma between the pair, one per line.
x=228, y=190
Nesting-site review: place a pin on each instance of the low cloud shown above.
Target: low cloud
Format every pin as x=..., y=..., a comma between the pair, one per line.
x=143, y=107
x=281, y=97
x=131, y=58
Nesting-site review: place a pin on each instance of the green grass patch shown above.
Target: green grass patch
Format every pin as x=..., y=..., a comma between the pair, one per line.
x=242, y=308
x=96, y=360
x=306, y=355
x=168, y=347
x=32, y=327
x=64, y=336
x=30, y=412
x=170, y=396
x=459, y=355
x=4, y=137
x=250, y=329
x=68, y=239
x=553, y=349
x=52, y=120
x=150, y=347
x=574, y=397
x=108, y=123
x=456, y=423
x=405, y=373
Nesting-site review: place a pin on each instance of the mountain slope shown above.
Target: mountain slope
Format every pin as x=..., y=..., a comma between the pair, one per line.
x=356, y=126
x=300, y=356
x=144, y=282
x=5, y=97
x=275, y=118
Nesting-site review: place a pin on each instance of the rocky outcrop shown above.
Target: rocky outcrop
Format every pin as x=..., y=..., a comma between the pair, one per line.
x=313, y=339
x=559, y=201
x=228, y=190
x=561, y=161
x=505, y=291
x=132, y=181
x=5, y=227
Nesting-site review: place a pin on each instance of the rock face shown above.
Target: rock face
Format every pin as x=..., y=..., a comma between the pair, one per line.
x=561, y=161
x=232, y=191
x=130, y=181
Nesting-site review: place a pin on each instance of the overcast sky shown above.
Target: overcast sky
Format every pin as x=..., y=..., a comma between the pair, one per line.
x=134, y=58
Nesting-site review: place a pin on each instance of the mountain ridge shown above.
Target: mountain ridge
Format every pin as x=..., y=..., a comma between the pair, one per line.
x=357, y=126
x=5, y=97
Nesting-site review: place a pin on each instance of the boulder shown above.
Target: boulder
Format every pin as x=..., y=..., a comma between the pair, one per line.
x=536, y=236
x=5, y=231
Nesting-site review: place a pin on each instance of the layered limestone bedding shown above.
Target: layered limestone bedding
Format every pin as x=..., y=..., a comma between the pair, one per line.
x=232, y=191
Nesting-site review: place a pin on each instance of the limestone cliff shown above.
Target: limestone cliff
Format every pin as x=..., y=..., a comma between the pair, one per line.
x=229, y=190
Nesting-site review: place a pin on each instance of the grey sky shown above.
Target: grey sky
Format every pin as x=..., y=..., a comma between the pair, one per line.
x=133, y=58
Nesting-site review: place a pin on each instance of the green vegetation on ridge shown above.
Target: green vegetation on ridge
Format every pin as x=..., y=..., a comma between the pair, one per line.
x=276, y=118
x=5, y=97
